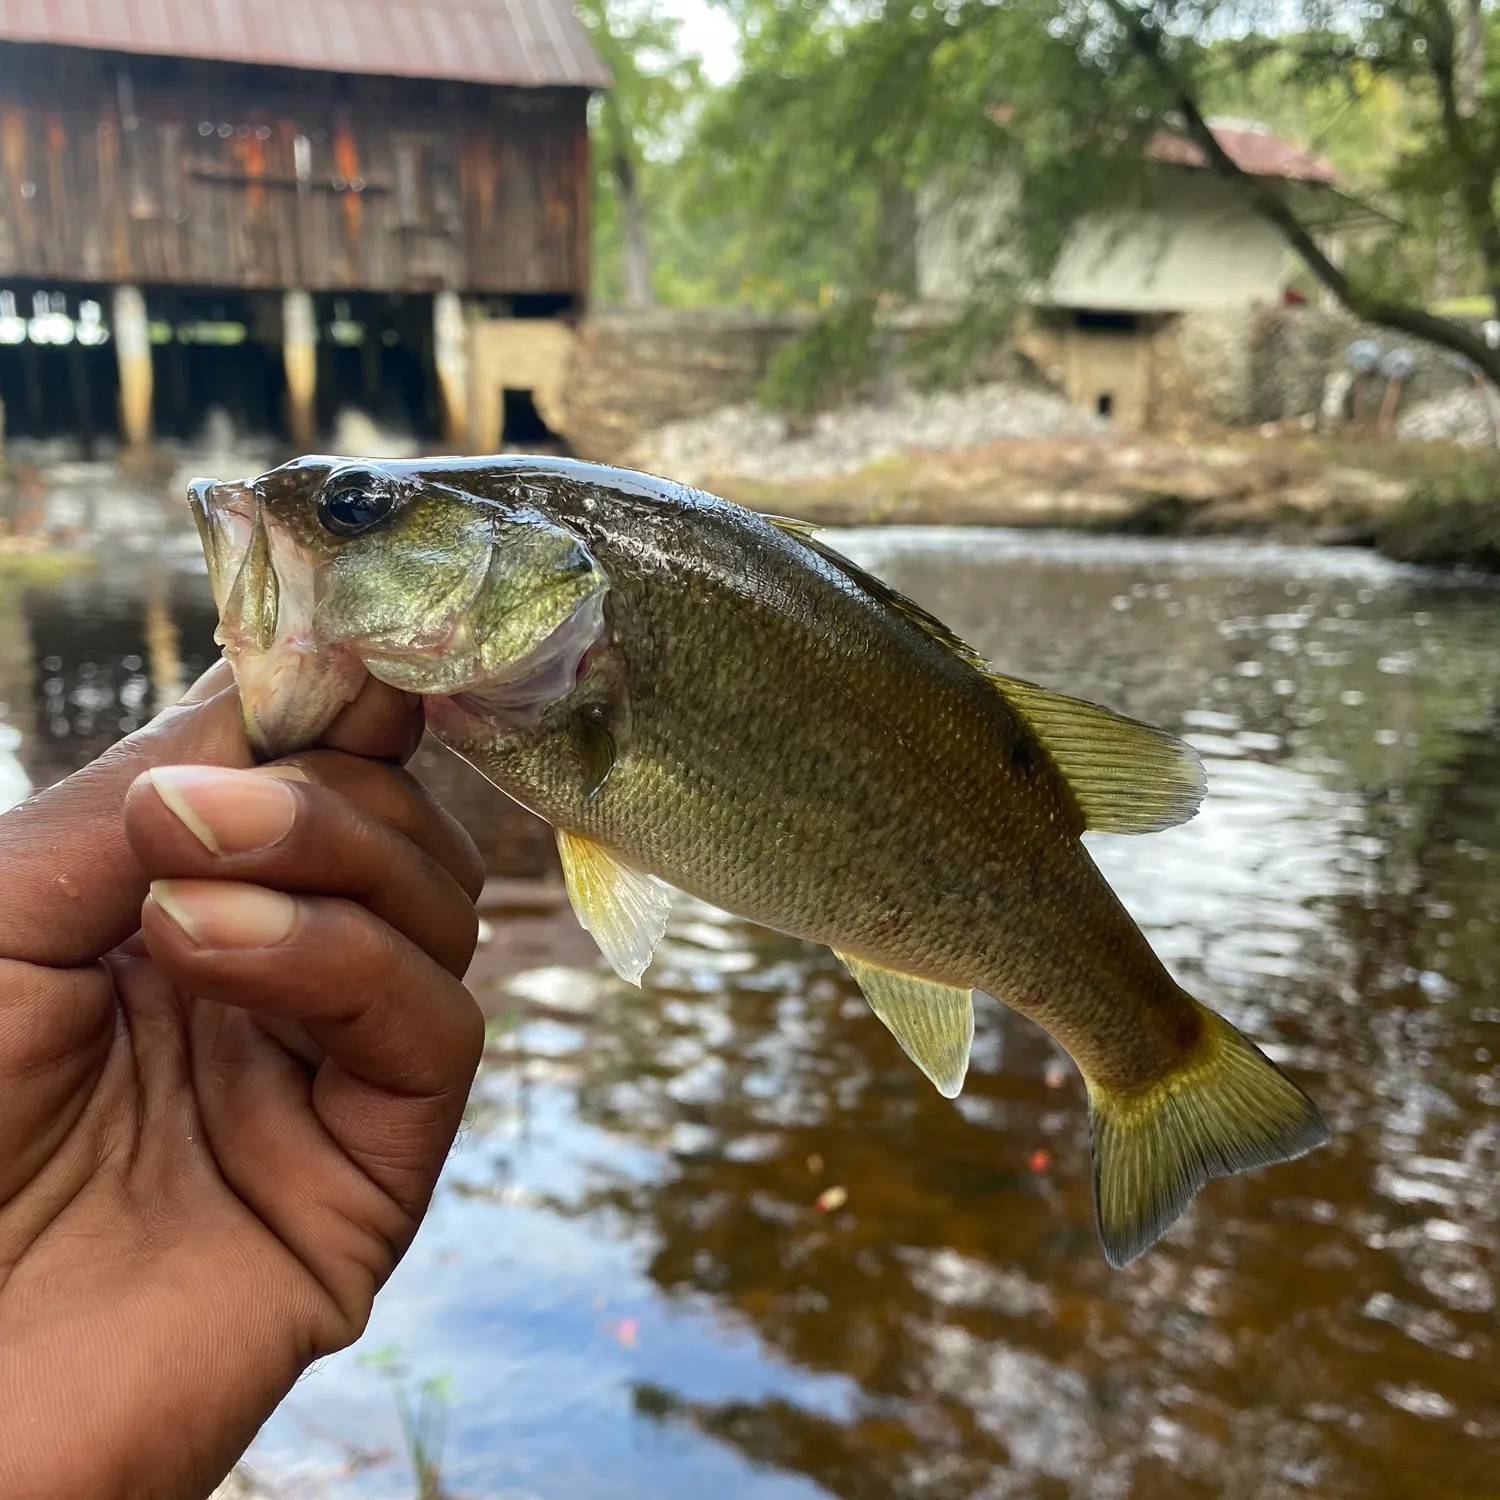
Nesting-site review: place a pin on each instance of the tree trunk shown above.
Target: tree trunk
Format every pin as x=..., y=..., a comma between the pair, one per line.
x=635, y=247
x=898, y=239
x=1470, y=70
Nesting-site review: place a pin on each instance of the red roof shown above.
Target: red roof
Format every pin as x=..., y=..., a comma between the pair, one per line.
x=525, y=43
x=1251, y=148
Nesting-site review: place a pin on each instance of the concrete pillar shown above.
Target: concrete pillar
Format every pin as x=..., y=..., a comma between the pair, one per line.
x=450, y=354
x=299, y=354
x=133, y=355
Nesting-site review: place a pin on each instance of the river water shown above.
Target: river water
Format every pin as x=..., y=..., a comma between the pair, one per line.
x=719, y=1238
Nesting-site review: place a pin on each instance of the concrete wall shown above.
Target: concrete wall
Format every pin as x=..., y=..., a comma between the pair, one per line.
x=1199, y=248
x=527, y=354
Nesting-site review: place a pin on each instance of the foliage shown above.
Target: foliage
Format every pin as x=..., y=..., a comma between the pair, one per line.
x=831, y=363
x=804, y=180
x=637, y=125
x=422, y=1410
x=1446, y=521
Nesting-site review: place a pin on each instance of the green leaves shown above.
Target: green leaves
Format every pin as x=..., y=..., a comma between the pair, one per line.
x=806, y=179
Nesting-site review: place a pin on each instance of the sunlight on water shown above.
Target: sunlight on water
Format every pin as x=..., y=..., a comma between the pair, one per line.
x=718, y=1237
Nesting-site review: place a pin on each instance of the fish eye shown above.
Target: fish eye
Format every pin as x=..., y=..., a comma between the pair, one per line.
x=353, y=503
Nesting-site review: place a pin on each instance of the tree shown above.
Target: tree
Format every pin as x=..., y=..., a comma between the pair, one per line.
x=1157, y=54
x=848, y=105
x=638, y=117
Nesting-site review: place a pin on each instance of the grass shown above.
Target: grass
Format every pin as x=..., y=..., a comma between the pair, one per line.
x=27, y=565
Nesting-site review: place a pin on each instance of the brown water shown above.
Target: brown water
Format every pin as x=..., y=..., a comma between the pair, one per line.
x=628, y=1282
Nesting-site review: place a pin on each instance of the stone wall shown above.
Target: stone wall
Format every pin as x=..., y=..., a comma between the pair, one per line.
x=1245, y=367
x=630, y=373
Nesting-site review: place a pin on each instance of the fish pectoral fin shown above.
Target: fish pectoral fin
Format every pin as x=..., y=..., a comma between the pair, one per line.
x=1226, y=1109
x=1127, y=777
x=624, y=910
x=933, y=1022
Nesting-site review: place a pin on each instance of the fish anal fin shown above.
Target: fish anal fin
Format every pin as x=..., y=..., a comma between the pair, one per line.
x=1228, y=1108
x=934, y=1023
x=624, y=910
x=1127, y=777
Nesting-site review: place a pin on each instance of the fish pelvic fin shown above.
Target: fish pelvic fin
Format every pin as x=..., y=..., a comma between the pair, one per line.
x=934, y=1023
x=1227, y=1108
x=624, y=910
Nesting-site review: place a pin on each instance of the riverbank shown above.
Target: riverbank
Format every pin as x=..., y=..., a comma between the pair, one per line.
x=1432, y=504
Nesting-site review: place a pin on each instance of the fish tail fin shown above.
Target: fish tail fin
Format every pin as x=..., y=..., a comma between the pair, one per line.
x=1223, y=1109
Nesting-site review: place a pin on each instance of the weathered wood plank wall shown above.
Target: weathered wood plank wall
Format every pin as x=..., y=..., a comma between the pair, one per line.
x=169, y=172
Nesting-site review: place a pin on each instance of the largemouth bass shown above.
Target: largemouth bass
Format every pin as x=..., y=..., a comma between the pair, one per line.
x=696, y=694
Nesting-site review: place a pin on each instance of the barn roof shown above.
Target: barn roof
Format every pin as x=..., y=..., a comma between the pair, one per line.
x=522, y=43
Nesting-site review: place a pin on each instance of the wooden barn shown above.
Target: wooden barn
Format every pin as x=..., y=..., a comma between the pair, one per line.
x=281, y=206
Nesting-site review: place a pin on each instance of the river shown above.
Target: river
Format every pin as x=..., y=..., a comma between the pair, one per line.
x=719, y=1237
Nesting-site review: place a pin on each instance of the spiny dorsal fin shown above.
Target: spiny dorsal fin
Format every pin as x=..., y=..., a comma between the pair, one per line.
x=625, y=910
x=1127, y=777
x=933, y=1022
x=878, y=588
x=804, y=531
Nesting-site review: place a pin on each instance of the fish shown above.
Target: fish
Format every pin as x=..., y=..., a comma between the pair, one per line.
x=699, y=696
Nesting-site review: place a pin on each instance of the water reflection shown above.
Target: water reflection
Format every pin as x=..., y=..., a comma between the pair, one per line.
x=720, y=1237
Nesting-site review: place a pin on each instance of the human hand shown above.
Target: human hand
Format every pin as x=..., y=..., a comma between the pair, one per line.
x=222, y=1111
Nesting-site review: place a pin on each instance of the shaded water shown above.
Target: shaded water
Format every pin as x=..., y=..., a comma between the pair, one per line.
x=635, y=1281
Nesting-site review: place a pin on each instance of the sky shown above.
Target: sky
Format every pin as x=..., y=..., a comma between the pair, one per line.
x=708, y=32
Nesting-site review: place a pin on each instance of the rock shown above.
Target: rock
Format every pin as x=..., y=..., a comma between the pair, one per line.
x=1457, y=417
x=749, y=443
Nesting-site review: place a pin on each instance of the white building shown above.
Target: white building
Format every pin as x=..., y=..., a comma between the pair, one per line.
x=1126, y=274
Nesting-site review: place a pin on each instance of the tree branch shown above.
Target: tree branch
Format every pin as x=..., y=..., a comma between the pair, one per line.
x=1272, y=206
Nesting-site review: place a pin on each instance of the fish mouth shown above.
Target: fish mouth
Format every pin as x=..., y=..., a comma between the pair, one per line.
x=291, y=685
x=224, y=513
x=295, y=674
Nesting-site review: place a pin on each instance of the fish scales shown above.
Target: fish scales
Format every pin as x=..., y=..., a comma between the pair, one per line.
x=694, y=693
x=858, y=784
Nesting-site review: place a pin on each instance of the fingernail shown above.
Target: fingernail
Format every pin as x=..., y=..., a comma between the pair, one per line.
x=228, y=812
x=217, y=914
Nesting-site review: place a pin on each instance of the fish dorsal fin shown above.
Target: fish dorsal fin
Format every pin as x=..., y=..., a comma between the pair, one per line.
x=933, y=1022
x=624, y=910
x=804, y=531
x=1126, y=777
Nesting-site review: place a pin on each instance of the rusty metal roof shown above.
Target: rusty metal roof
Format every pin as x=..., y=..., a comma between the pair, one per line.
x=523, y=43
x=1251, y=147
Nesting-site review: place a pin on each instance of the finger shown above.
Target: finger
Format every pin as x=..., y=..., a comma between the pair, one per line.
x=202, y=822
x=398, y=798
x=382, y=724
x=402, y=1035
x=73, y=888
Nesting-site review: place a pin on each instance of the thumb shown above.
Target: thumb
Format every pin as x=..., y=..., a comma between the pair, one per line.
x=74, y=889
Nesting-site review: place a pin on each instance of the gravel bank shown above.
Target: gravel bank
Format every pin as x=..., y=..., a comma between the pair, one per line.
x=755, y=444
